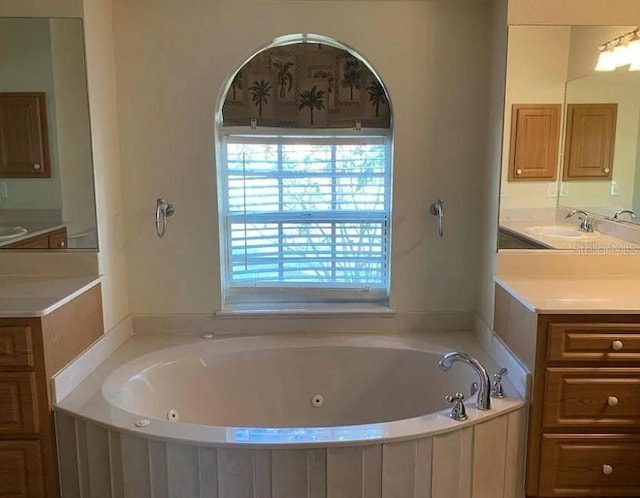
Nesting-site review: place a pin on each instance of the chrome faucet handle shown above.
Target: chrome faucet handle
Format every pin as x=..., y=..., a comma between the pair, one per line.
x=458, y=411
x=496, y=386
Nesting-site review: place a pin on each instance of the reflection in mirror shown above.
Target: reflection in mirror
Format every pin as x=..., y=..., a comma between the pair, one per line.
x=583, y=157
x=46, y=174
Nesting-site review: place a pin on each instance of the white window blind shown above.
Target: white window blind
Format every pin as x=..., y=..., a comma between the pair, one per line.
x=307, y=213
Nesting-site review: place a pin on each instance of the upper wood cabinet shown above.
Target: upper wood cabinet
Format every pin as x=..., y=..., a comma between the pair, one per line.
x=535, y=139
x=590, y=141
x=24, y=137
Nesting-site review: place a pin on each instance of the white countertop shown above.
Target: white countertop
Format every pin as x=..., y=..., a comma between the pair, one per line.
x=36, y=296
x=33, y=230
x=567, y=295
x=602, y=242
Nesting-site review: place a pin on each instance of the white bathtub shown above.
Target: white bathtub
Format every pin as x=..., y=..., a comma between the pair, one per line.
x=285, y=416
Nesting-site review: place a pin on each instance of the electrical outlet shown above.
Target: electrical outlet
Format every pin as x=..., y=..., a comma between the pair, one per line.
x=615, y=189
x=4, y=193
x=552, y=189
x=564, y=189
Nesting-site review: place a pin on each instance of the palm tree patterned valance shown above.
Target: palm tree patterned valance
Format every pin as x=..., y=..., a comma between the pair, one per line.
x=306, y=86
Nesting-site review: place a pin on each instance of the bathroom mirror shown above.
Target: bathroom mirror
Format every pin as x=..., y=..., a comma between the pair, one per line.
x=550, y=76
x=622, y=192
x=47, y=196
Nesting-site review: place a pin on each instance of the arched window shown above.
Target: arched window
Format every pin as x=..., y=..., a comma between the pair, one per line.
x=304, y=178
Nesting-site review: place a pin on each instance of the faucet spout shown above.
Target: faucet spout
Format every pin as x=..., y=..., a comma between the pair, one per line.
x=484, y=400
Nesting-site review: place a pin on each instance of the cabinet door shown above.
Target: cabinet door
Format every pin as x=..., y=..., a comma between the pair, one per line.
x=535, y=138
x=590, y=141
x=24, y=141
x=16, y=347
x=21, y=469
x=18, y=403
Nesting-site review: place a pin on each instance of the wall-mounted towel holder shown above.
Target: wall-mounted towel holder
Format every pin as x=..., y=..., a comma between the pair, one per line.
x=437, y=209
x=164, y=210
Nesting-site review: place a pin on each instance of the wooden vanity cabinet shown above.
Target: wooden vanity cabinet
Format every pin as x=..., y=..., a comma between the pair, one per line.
x=32, y=350
x=590, y=141
x=584, y=420
x=535, y=141
x=55, y=239
x=24, y=136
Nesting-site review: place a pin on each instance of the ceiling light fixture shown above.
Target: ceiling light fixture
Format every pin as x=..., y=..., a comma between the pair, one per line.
x=621, y=51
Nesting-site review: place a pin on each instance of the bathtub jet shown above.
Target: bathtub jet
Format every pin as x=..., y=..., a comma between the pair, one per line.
x=446, y=362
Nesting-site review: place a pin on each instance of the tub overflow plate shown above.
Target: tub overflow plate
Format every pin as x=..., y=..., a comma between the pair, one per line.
x=173, y=415
x=317, y=401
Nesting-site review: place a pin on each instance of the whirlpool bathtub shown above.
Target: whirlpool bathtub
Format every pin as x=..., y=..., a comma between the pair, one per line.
x=286, y=416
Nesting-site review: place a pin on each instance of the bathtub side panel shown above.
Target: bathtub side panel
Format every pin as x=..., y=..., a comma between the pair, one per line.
x=489, y=458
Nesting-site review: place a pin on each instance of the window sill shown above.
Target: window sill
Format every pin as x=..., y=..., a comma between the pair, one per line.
x=305, y=310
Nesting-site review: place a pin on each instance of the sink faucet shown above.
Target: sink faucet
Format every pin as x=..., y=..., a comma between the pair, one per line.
x=632, y=215
x=447, y=361
x=586, y=225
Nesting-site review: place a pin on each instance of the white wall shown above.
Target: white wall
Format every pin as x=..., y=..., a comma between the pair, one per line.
x=536, y=74
x=574, y=12
x=101, y=77
x=172, y=60
x=41, y=8
x=27, y=66
x=491, y=184
x=72, y=125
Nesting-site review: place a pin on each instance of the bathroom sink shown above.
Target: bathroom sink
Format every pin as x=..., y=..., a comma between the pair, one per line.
x=561, y=232
x=11, y=232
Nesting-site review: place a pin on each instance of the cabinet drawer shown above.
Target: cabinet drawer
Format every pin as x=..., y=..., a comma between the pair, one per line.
x=16, y=347
x=592, y=396
x=18, y=403
x=594, y=342
x=58, y=239
x=589, y=465
x=21, y=469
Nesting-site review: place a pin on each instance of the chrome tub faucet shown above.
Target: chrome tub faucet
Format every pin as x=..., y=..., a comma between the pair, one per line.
x=484, y=389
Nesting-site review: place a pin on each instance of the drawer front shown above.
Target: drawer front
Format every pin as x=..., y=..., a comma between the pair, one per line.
x=592, y=397
x=594, y=342
x=18, y=403
x=590, y=466
x=21, y=469
x=16, y=347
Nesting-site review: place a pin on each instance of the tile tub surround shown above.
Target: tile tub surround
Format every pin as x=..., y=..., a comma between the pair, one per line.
x=203, y=445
